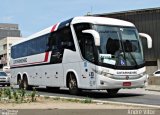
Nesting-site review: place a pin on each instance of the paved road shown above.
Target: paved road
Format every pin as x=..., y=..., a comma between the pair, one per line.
x=80, y=112
x=138, y=96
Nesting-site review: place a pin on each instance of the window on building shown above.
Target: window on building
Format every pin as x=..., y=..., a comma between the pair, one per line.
x=10, y=45
x=4, y=46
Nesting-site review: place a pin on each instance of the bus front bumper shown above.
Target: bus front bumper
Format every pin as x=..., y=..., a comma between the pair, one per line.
x=109, y=83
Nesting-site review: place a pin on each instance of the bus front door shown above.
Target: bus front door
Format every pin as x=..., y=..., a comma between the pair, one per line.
x=88, y=78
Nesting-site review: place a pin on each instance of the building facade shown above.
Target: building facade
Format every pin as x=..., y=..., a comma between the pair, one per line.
x=146, y=21
x=5, y=45
x=9, y=34
x=9, y=30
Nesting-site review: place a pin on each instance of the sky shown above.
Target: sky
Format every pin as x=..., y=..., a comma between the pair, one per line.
x=35, y=15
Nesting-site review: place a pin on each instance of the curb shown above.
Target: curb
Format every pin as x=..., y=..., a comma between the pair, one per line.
x=107, y=102
x=153, y=88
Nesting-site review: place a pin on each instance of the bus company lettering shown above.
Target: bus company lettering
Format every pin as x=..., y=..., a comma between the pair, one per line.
x=126, y=72
x=20, y=61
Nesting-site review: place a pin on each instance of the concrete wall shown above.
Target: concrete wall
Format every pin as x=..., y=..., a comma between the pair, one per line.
x=151, y=69
x=154, y=81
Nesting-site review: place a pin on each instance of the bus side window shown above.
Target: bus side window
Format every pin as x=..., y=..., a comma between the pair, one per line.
x=67, y=40
x=59, y=41
x=89, y=48
x=54, y=45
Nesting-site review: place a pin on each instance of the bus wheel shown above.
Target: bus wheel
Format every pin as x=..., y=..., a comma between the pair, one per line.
x=25, y=84
x=72, y=84
x=112, y=92
x=19, y=83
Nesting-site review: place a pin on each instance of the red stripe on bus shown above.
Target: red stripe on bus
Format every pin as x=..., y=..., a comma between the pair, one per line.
x=27, y=64
x=53, y=28
x=45, y=60
x=46, y=56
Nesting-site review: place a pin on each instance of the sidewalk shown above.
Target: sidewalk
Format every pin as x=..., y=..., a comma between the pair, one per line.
x=153, y=88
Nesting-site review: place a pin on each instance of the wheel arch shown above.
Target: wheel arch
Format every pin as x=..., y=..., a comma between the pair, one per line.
x=25, y=76
x=19, y=77
x=67, y=76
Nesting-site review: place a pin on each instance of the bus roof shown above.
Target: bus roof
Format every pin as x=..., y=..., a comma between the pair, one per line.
x=82, y=19
x=101, y=20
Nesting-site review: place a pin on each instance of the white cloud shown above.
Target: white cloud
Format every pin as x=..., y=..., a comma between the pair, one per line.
x=6, y=19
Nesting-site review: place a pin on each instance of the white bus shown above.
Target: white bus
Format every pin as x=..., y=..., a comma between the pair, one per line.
x=81, y=53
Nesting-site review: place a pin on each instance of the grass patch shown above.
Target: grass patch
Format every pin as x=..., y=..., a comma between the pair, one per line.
x=56, y=98
x=46, y=97
x=10, y=95
x=87, y=100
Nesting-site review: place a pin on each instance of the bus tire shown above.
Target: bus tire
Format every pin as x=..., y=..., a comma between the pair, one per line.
x=72, y=84
x=25, y=84
x=19, y=83
x=112, y=92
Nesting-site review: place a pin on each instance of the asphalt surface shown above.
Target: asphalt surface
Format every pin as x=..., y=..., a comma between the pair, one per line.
x=137, y=96
x=80, y=112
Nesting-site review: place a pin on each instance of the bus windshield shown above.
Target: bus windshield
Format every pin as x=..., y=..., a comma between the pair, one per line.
x=119, y=46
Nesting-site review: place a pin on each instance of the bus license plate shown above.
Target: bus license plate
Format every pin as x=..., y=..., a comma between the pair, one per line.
x=126, y=83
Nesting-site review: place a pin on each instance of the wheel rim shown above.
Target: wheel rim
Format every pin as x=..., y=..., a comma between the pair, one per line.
x=72, y=83
x=24, y=84
x=20, y=83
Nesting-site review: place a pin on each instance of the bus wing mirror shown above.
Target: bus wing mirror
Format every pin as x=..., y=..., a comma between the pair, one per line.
x=149, y=39
x=95, y=35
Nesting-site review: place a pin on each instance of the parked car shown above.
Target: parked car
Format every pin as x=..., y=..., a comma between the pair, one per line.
x=156, y=73
x=6, y=69
x=4, y=79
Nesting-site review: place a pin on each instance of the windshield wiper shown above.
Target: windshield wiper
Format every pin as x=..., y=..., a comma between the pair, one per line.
x=133, y=58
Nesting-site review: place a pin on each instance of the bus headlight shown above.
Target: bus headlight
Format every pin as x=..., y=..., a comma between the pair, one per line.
x=109, y=75
x=106, y=74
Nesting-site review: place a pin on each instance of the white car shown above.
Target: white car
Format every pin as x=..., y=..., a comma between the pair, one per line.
x=156, y=73
x=4, y=79
x=6, y=69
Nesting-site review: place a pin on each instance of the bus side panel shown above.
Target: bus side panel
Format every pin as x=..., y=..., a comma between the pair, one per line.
x=88, y=75
x=14, y=74
x=70, y=62
x=52, y=75
x=31, y=76
x=74, y=68
x=43, y=75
